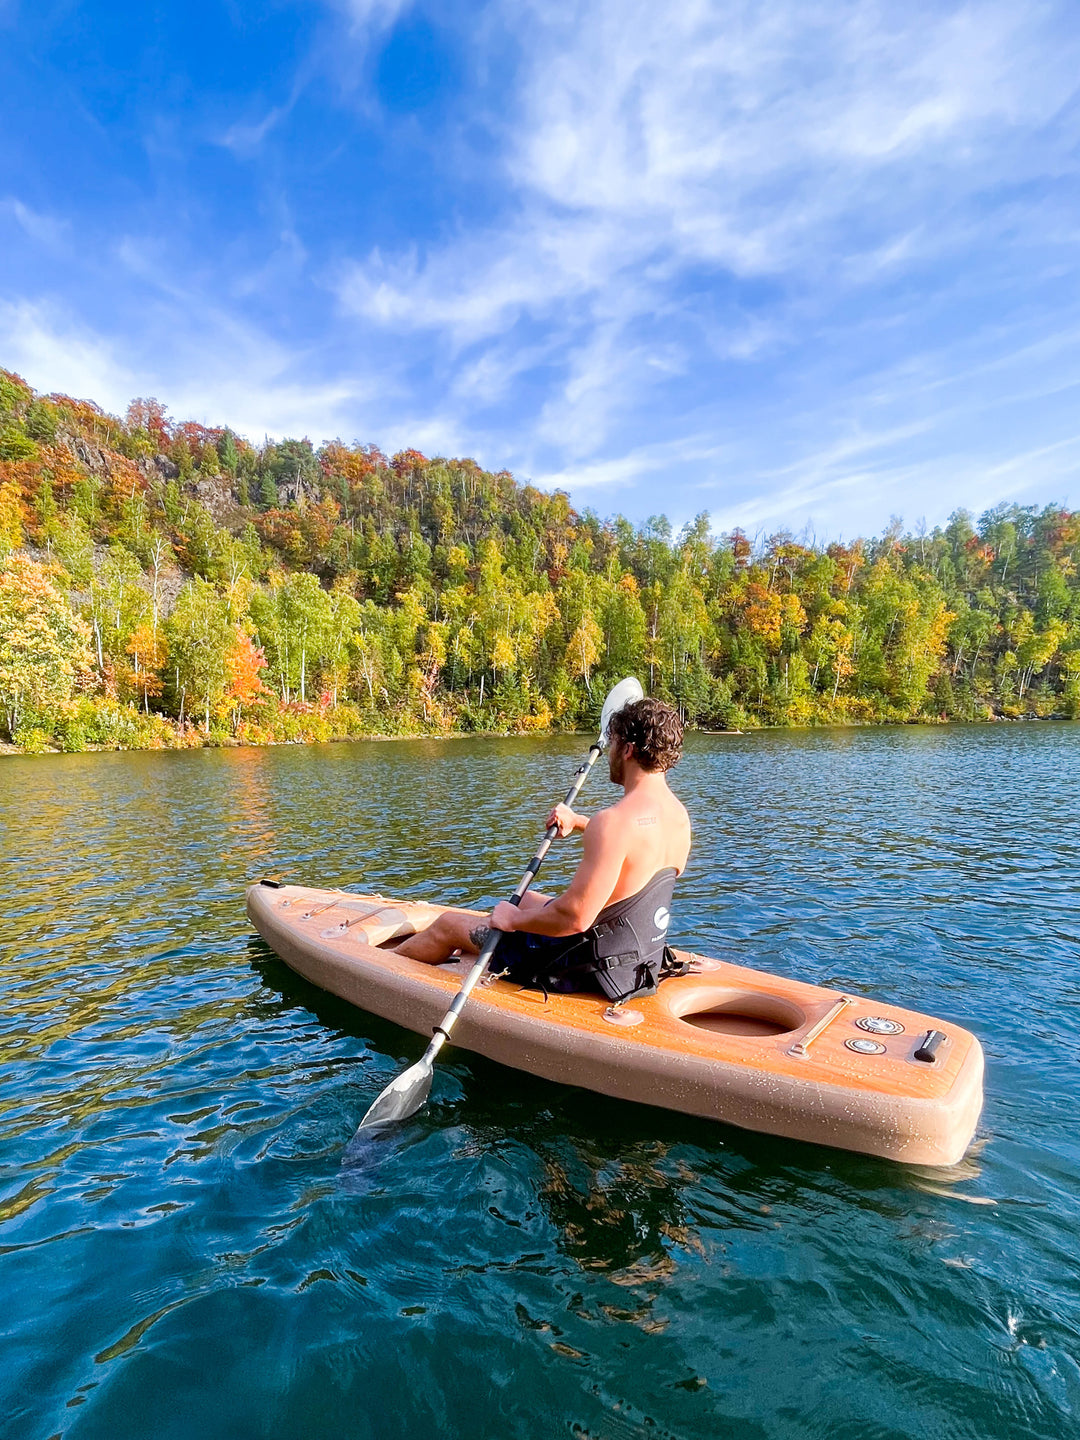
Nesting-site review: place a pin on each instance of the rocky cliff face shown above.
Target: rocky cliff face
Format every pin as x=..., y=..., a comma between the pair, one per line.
x=99, y=461
x=160, y=465
x=297, y=492
x=91, y=456
x=217, y=494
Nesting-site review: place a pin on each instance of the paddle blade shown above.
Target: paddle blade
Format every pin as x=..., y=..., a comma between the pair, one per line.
x=401, y=1098
x=624, y=693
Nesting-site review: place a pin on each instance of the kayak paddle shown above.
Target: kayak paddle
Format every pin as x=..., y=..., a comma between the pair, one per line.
x=405, y=1095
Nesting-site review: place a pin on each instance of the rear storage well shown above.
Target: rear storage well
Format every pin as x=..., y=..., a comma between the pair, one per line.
x=737, y=1012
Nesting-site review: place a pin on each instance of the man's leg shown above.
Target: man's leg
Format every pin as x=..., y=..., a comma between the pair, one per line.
x=453, y=931
x=442, y=937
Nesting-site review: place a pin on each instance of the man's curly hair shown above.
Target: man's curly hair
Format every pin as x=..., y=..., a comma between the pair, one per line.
x=653, y=728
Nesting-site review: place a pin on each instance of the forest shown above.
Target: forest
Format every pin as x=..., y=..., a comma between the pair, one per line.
x=165, y=584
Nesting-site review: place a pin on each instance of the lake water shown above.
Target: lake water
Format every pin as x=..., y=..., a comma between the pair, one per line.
x=182, y=1254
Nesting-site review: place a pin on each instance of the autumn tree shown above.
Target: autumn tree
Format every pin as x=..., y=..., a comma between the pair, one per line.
x=199, y=637
x=148, y=653
x=244, y=664
x=43, y=645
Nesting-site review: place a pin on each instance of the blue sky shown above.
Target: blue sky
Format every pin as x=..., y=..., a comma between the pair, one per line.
x=794, y=264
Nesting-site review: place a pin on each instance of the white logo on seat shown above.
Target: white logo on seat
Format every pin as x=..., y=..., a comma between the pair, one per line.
x=662, y=918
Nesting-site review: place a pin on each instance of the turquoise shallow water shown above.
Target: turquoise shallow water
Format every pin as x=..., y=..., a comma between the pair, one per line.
x=182, y=1254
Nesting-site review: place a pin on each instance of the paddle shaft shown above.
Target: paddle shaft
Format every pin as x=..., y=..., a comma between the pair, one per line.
x=483, y=960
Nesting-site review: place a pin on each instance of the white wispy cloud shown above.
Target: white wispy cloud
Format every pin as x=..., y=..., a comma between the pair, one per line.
x=690, y=450
x=729, y=135
x=856, y=500
x=56, y=354
x=366, y=16
x=46, y=230
x=245, y=137
x=658, y=148
x=217, y=371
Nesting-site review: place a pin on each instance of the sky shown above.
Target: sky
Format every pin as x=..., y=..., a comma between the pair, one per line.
x=802, y=266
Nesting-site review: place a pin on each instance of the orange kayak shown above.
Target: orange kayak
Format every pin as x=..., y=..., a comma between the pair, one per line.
x=728, y=1043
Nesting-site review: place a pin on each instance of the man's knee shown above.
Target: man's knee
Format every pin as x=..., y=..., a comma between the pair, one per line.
x=453, y=922
x=451, y=928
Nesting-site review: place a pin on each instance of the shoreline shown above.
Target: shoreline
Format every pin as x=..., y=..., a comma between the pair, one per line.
x=195, y=741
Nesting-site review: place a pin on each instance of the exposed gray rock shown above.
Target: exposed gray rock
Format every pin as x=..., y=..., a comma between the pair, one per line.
x=296, y=492
x=216, y=493
x=89, y=455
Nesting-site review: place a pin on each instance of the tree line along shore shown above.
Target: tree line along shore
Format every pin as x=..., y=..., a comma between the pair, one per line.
x=167, y=584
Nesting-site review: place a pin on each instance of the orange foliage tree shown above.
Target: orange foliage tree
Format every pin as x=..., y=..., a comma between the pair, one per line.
x=244, y=665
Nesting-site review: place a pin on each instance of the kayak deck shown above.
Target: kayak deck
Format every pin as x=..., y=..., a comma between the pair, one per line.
x=728, y=1043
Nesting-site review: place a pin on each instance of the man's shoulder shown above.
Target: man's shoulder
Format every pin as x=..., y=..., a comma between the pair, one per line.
x=603, y=819
x=631, y=805
x=607, y=824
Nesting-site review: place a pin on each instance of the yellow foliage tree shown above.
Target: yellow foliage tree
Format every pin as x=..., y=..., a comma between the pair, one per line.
x=43, y=644
x=584, y=648
x=11, y=517
x=148, y=652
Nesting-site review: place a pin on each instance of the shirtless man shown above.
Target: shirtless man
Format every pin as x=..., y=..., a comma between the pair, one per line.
x=619, y=899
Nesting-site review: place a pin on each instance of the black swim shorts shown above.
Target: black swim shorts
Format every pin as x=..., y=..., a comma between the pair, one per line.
x=536, y=960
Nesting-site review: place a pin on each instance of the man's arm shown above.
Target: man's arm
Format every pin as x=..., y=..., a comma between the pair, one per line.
x=567, y=820
x=586, y=895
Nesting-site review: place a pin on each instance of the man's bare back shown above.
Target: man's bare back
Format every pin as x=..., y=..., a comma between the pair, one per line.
x=649, y=828
x=625, y=847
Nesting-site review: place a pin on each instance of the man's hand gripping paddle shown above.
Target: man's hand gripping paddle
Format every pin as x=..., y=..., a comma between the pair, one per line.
x=405, y=1095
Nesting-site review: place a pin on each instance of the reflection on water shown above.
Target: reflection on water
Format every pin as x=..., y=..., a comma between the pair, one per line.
x=183, y=1252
